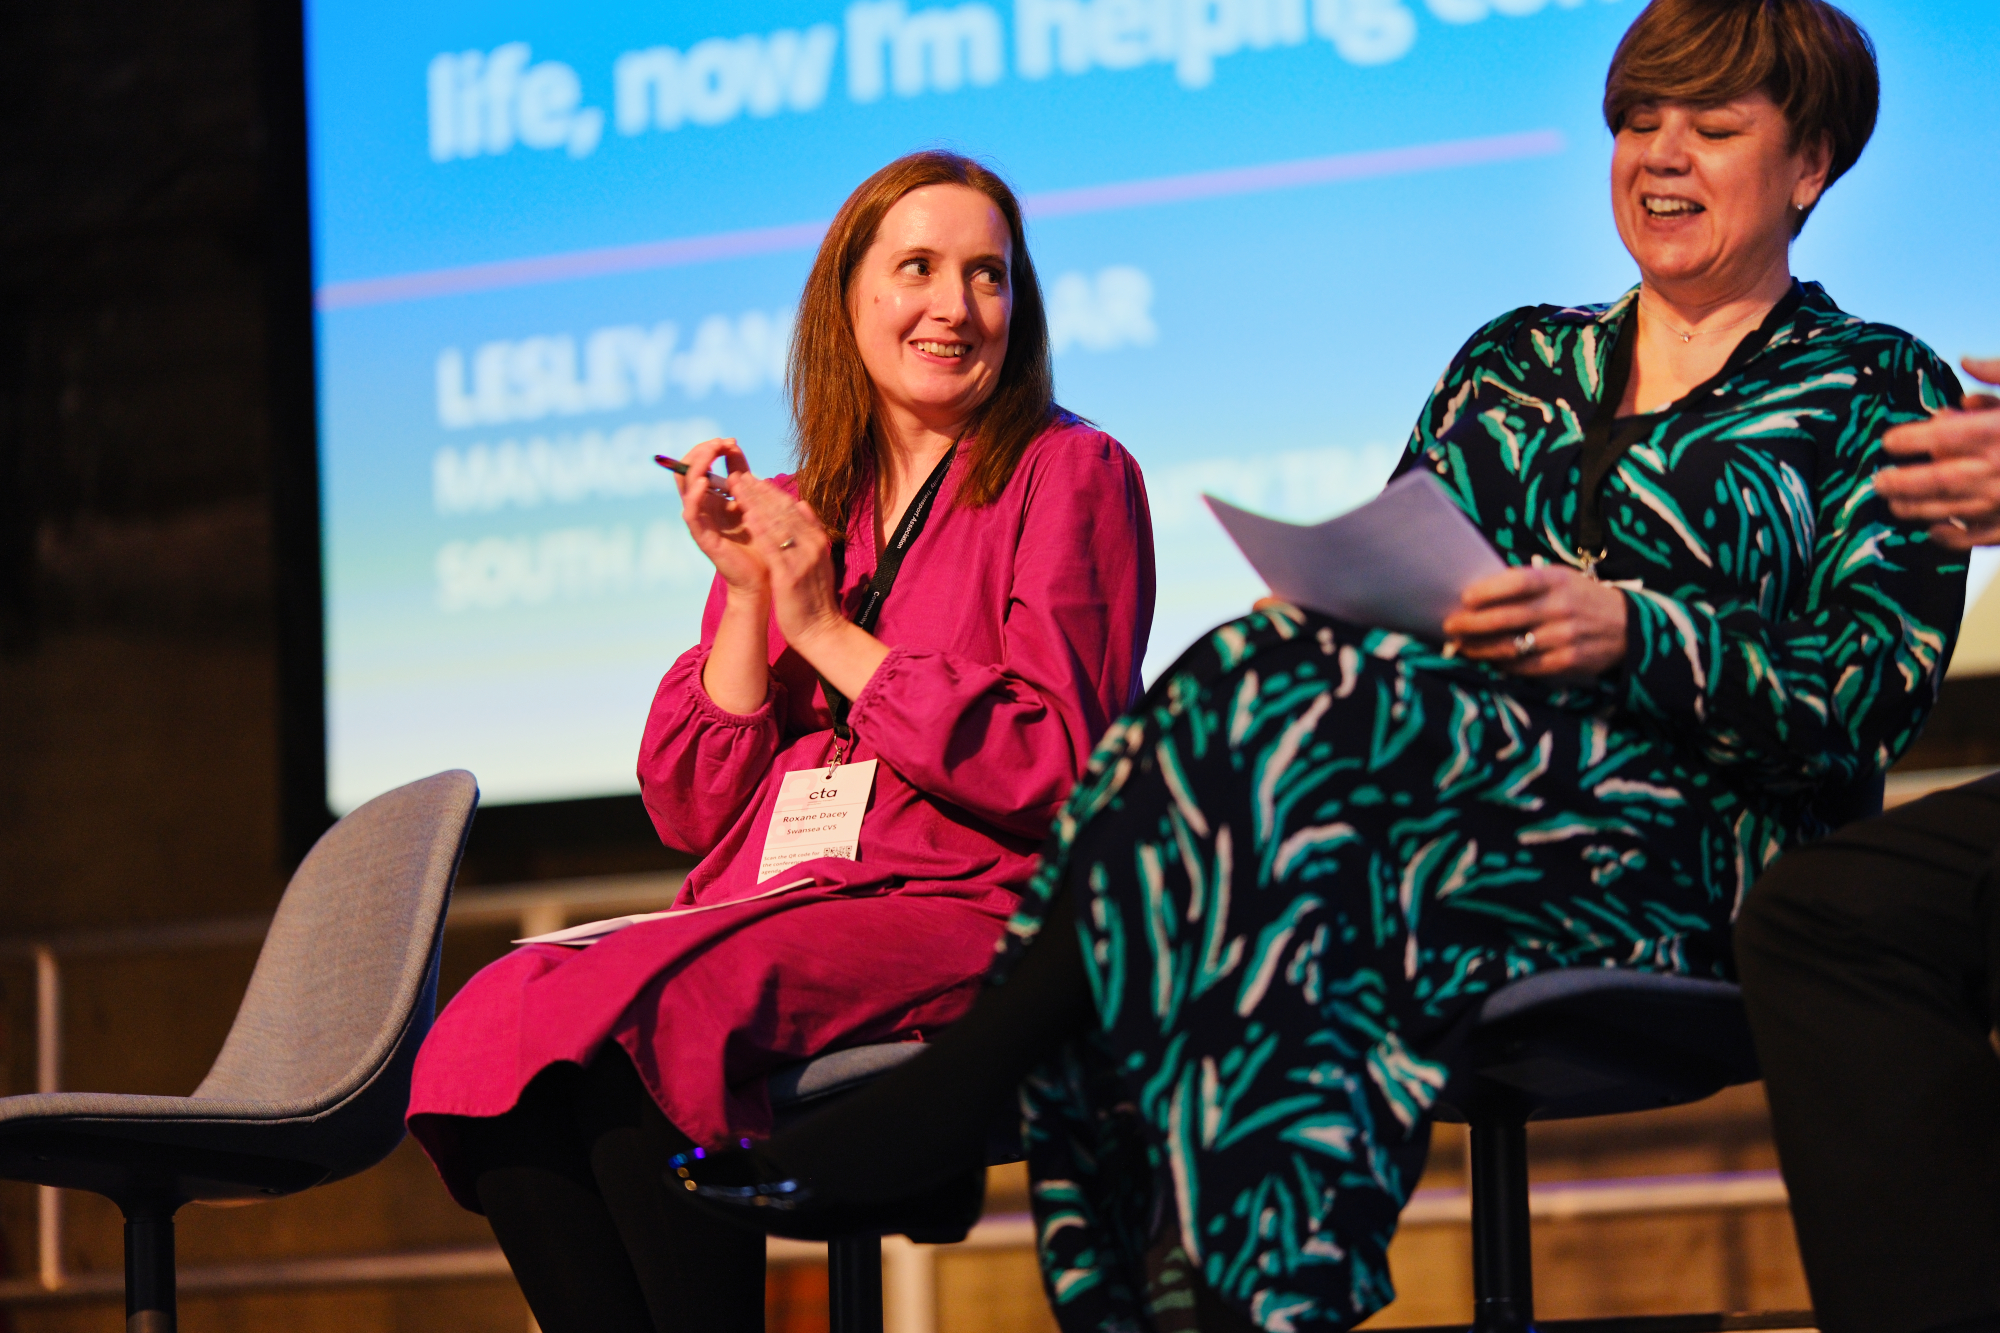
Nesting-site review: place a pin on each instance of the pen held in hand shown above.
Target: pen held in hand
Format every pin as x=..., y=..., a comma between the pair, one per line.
x=675, y=465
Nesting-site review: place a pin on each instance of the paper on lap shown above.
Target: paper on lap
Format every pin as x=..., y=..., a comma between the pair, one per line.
x=1399, y=562
x=590, y=932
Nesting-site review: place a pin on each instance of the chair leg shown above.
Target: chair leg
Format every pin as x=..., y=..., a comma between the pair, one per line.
x=854, y=1284
x=1503, y=1276
x=149, y=1268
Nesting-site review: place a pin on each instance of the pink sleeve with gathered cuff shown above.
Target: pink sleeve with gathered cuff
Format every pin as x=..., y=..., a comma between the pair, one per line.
x=701, y=762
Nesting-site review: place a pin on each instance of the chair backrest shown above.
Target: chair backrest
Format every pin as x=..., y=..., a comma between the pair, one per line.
x=346, y=980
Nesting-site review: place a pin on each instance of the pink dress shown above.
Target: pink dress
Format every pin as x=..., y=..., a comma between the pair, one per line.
x=1016, y=633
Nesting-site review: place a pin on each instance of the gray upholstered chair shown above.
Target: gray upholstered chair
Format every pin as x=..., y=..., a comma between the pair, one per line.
x=314, y=1078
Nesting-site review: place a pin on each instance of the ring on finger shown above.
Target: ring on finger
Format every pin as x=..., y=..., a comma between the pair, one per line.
x=1524, y=644
x=787, y=544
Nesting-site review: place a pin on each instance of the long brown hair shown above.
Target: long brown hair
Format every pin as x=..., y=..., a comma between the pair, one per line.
x=833, y=400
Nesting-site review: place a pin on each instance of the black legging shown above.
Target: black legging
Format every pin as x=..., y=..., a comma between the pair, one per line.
x=1871, y=967
x=571, y=1181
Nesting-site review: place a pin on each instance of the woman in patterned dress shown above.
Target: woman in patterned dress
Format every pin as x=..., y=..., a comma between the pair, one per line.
x=1298, y=865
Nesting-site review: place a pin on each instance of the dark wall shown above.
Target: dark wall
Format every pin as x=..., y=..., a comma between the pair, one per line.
x=131, y=267
x=137, y=654
x=155, y=436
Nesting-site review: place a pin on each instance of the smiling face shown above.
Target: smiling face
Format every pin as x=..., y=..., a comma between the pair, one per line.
x=1705, y=194
x=931, y=301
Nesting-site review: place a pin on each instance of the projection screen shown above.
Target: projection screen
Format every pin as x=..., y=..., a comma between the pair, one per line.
x=553, y=240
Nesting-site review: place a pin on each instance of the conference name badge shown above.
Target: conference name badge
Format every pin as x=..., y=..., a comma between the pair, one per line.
x=819, y=814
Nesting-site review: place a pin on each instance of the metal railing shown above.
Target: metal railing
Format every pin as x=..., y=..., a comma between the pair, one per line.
x=909, y=1270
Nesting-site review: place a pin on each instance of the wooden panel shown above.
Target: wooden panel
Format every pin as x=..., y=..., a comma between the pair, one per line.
x=991, y=1292
x=1432, y=1270
x=795, y=1299
x=1631, y=1265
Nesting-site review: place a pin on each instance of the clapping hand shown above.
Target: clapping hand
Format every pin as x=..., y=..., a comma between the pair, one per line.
x=777, y=559
x=1955, y=483
x=792, y=548
x=797, y=555
x=716, y=523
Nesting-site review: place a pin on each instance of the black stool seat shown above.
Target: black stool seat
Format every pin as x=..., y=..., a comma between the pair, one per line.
x=854, y=1263
x=798, y=1090
x=1564, y=1044
x=1600, y=1041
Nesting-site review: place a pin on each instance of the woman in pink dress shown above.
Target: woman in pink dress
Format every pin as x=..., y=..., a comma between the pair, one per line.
x=931, y=621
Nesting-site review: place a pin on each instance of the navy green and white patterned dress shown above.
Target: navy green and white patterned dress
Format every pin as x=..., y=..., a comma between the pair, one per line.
x=1314, y=845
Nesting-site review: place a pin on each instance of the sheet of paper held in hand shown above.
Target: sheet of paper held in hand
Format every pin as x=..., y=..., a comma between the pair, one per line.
x=1398, y=562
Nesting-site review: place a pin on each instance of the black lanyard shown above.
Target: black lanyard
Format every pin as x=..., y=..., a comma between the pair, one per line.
x=1608, y=436
x=886, y=570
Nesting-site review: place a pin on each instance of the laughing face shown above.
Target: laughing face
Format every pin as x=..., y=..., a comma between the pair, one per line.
x=1705, y=194
x=931, y=301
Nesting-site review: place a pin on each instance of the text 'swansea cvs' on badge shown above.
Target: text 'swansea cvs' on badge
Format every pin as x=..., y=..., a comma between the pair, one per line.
x=819, y=814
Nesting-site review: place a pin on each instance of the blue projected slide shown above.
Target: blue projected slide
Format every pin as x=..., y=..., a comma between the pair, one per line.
x=552, y=240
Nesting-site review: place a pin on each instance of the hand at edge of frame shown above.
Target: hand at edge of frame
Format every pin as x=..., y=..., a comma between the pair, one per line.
x=1953, y=482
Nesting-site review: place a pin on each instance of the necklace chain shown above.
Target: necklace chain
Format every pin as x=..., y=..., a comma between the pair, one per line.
x=1689, y=335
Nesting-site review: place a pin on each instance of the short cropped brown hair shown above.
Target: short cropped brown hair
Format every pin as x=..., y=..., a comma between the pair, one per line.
x=1813, y=60
x=833, y=400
